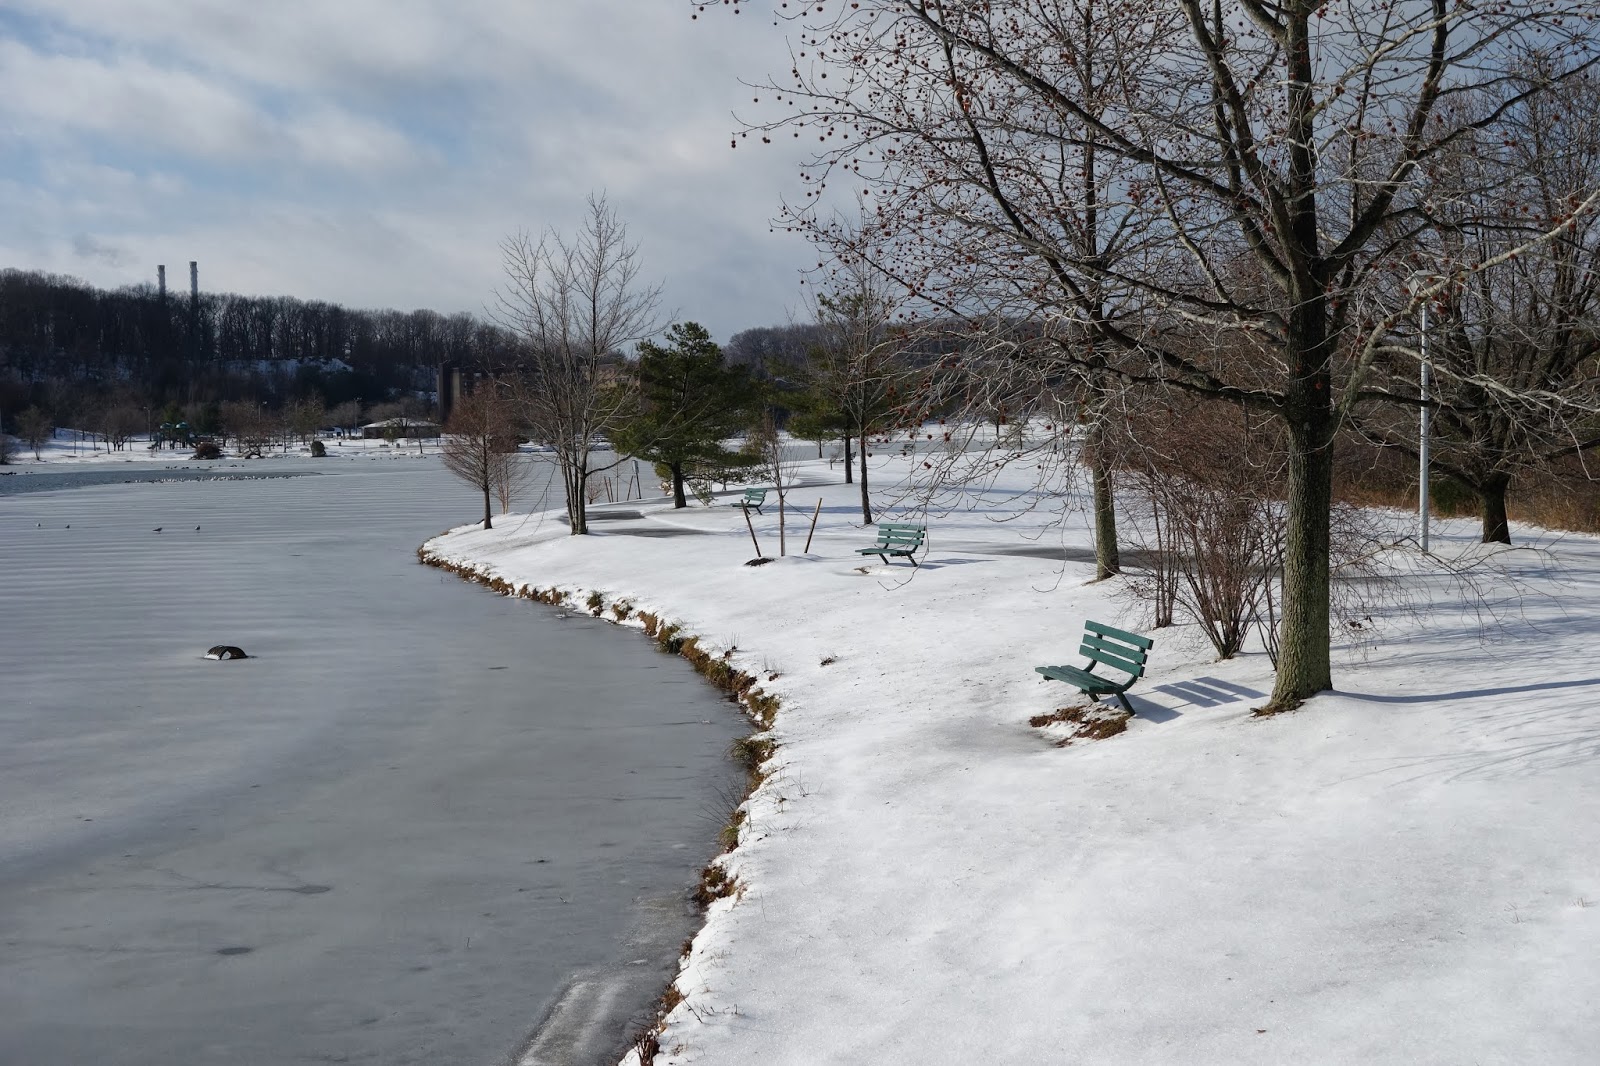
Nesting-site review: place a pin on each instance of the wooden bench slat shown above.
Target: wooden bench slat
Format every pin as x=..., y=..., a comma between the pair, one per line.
x=1119, y=634
x=1084, y=680
x=1132, y=669
x=1131, y=662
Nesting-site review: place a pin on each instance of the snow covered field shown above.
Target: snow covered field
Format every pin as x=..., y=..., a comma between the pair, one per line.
x=71, y=446
x=1405, y=870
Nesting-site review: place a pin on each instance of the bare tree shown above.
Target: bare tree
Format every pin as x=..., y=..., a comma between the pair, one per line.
x=346, y=416
x=251, y=427
x=1513, y=338
x=853, y=368
x=305, y=417
x=34, y=427
x=117, y=421
x=574, y=303
x=510, y=473
x=1272, y=176
x=766, y=441
x=480, y=433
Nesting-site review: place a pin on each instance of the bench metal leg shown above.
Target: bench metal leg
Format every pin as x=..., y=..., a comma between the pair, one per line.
x=1125, y=704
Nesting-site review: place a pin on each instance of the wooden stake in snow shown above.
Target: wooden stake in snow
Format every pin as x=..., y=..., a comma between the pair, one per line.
x=813, y=529
x=751, y=526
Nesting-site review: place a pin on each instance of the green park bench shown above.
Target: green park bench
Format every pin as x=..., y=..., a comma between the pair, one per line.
x=1105, y=646
x=753, y=499
x=900, y=539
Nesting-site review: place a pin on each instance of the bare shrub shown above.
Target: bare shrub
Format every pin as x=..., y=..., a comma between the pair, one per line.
x=766, y=442
x=480, y=432
x=1215, y=523
x=509, y=474
x=647, y=1047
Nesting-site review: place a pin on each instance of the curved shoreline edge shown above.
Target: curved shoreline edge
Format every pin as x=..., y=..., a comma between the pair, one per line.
x=719, y=885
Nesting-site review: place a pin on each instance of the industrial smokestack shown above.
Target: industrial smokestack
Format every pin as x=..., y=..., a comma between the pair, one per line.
x=161, y=280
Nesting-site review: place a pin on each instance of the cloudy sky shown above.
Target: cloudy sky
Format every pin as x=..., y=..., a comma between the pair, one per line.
x=374, y=152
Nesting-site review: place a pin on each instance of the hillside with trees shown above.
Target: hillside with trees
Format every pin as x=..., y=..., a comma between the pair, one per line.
x=76, y=353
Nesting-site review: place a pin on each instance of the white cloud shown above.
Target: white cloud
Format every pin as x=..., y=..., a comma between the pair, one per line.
x=88, y=247
x=125, y=100
x=374, y=151
x=136, y=103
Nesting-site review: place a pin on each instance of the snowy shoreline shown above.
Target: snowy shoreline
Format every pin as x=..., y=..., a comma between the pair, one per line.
x=1400, y=871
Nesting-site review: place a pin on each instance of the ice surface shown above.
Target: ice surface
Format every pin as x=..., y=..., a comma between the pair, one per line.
x=395, y=834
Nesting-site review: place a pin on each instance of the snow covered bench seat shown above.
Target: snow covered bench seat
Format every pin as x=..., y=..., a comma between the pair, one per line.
x=1104, y=646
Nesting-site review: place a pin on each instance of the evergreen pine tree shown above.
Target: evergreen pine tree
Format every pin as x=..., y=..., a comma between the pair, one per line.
x=688, y=402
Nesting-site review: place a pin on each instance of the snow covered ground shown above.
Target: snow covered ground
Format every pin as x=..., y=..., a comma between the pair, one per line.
x=1405, y=870
x=72, y=446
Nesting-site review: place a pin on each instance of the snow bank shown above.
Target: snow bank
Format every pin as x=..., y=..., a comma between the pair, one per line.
x=1402, y=871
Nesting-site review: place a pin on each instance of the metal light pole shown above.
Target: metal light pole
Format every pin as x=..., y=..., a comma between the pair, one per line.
x=1425, y=376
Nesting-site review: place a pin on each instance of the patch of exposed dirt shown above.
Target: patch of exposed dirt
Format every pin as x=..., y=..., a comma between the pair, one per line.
x=1089, y=721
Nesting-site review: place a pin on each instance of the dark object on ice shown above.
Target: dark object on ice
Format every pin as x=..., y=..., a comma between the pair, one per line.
x=762, y=561
x=1106, y=646
x=318, y=450
x=156, y=530
x=226, y=651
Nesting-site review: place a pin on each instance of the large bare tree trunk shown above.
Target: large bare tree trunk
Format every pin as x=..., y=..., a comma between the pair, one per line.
x=1492, y=507
x=1304, y=666
x=1107, y=560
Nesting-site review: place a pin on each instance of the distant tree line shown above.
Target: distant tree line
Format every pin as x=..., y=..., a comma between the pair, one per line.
x=70, y=350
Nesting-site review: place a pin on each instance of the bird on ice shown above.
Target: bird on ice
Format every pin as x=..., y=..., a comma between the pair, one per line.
x=156, y=530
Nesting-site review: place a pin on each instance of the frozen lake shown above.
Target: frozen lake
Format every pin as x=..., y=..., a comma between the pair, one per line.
x=420, y=816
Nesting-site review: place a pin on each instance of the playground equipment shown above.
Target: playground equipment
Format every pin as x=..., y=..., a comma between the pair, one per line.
x=177, y=434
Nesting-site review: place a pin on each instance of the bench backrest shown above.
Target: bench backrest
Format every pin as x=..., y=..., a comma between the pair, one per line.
x=755, y=495
x=904, y=535
x=1115, y=647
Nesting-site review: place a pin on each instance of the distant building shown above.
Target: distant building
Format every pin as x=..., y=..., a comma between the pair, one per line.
x=402, y=427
